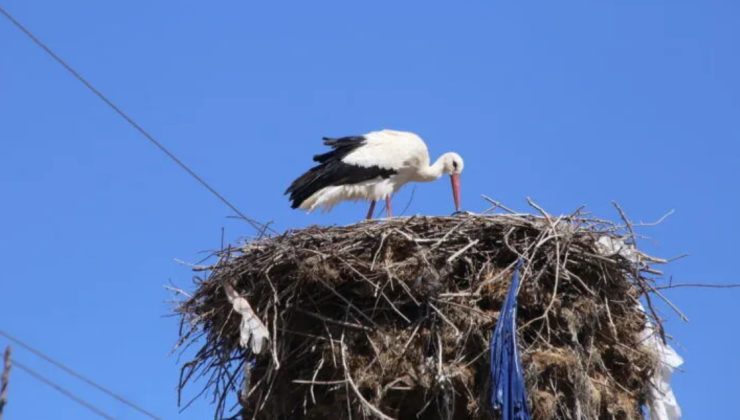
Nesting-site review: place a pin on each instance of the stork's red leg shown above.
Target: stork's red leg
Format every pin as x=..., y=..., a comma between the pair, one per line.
x=388, y=211
x=371, y=210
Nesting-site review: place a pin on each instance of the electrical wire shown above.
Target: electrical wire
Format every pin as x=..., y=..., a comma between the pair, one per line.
x=79, y=376
x=258, y=226
x=62, y=390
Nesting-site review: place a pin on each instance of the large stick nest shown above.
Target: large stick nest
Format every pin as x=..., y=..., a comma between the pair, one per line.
x=393, y=318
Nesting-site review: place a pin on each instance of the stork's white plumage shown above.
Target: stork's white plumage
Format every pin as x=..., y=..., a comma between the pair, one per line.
x=371, y=167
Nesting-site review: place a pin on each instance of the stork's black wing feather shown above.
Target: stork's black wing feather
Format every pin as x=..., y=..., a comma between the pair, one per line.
x=341, y=147
x=331, y=170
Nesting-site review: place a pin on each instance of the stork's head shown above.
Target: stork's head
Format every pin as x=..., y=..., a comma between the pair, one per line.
x=453, y=165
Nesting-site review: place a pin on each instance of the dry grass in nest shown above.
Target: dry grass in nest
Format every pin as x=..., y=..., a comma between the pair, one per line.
x=393, y=318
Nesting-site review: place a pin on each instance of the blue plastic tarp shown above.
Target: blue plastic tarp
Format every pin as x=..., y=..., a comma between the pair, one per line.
x=508, y=392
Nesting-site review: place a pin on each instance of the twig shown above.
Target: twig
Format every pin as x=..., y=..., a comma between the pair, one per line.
x=698, y=285
x=178, y=291
x=377, y=252
x=448, y=233
x=411, y=338
x=497, y=204
x=669, y=303
x=542, y=211
x=611, y=321
x=315, y=374
x=657, y=222
x=349, y=304
x=194, y=267
x=395, y=309
x=462, y=250
x=444, y=318
x=315, y=382
x=334, y=321
x=352, y=384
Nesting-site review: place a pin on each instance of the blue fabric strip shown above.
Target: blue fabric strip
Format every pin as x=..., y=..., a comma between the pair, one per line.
x=508, y=392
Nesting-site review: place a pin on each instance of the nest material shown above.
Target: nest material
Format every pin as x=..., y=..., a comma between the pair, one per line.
x=393, y=319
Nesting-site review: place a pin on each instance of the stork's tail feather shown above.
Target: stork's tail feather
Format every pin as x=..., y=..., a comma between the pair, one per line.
x=302, y=188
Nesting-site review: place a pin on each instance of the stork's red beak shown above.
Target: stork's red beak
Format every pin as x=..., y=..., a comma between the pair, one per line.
x=455, y=178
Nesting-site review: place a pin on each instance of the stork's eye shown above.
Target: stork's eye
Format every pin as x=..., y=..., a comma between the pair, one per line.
x=454, y=164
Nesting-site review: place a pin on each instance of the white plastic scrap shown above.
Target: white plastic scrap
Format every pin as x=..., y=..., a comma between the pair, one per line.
x=608, y=246
x=253, y=333
x=662, y=404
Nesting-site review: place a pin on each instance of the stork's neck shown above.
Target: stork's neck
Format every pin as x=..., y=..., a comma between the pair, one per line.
x=432, y=172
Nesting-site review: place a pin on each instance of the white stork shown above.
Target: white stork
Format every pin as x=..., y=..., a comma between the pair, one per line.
x=371, y=167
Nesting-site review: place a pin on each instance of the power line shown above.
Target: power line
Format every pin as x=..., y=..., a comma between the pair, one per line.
x=79, y=376
x=63, y=391
x=260, y=227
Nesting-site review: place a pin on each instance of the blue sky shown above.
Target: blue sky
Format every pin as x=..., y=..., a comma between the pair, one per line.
x=569, y=102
